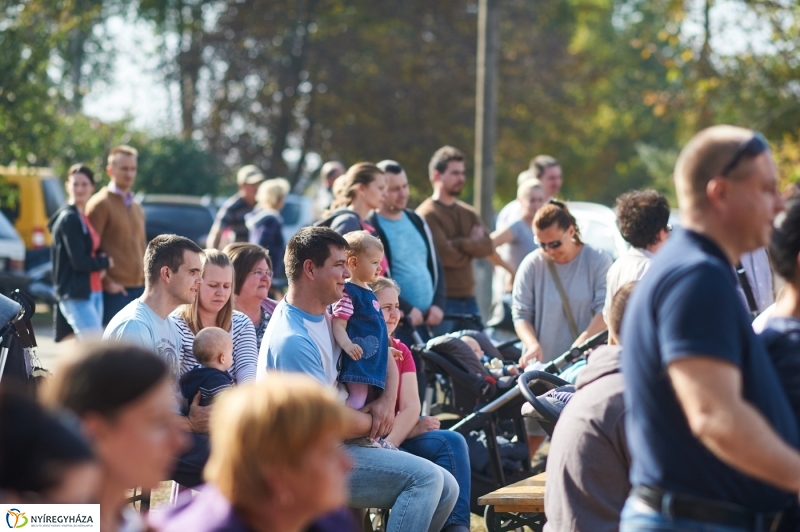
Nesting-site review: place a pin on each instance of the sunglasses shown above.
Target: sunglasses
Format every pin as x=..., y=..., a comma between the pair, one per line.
x=755, y=145
x=393, y=168
x=554, y=245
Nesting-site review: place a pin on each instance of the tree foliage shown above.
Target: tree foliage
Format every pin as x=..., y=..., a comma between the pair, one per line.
x=612, y=88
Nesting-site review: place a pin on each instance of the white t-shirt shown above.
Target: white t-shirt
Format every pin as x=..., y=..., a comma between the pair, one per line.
x=629, y=267
x=299, y=342
x=138, y=324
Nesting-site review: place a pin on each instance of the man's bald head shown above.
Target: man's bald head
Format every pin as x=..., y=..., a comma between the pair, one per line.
x=704, y=158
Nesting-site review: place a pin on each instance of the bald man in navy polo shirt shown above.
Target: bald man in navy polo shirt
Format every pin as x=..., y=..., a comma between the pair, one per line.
x=712, y=436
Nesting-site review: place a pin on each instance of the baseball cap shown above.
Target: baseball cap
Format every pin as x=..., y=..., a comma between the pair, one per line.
x=249, y=175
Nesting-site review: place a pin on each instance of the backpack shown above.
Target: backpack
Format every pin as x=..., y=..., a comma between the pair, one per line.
x=328, y=220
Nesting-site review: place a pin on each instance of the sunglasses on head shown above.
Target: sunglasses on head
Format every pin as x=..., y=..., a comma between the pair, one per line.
x=755, y=145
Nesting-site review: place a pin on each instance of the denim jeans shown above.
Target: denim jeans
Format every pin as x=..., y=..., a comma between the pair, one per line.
x=420, y=494
x=459, y=305
x=638, y=517
x=447, y=449
x=85, y=316
x=113, y=303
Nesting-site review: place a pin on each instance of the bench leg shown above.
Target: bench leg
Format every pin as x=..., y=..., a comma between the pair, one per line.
x=506, y=522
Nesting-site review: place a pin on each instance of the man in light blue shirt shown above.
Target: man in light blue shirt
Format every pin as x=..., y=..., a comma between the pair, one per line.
x=408, y=245
x=299, y=338
x=172, y=276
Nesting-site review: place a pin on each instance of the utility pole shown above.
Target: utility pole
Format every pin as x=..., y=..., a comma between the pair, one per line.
x=485, y=135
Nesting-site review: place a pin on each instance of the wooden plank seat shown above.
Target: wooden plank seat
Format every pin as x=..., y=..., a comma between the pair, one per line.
x=523, y=497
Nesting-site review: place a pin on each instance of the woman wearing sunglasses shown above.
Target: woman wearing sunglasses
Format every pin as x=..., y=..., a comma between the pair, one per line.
x=558, y=295
x=559, y=289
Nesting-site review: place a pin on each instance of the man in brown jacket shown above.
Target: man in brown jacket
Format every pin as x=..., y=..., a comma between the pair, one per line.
x=120, y=223
x=458, y=234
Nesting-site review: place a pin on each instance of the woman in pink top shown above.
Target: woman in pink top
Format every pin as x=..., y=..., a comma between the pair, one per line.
x=420, y=435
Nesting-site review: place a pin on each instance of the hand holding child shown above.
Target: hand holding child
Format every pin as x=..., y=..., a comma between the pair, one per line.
x=396, y=353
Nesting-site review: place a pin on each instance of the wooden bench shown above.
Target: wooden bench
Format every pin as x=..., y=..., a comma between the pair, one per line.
x=505, y=506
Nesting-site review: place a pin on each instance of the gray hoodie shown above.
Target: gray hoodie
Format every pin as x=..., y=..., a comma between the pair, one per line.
x=587, y=468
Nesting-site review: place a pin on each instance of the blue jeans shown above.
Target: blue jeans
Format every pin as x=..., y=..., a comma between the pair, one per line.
x=420, y=494
x=85, y=316
x=447, y=449
x=113, y=303
x=459, y=305
x=638, y=517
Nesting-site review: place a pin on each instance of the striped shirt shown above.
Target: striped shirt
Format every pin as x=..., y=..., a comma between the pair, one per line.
x=245, y=350
x=343, y=309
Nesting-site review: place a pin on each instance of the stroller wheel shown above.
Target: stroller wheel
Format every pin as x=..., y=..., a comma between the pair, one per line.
x=493, y=524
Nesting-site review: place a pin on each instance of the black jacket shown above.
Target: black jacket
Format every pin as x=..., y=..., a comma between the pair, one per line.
x=433, y=262
x=71, y=253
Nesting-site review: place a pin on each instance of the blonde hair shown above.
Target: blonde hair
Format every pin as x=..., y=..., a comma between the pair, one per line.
x=272, y=192
x=122, y=149
x=191, y=313
x=527, y=185
x=360, y=242
x=382, y=283
x=210, y=342
x=257, y=427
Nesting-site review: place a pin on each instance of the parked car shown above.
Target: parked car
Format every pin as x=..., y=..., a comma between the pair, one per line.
x=598, y=226
x=12, y=258
x=188, y=216
x=29, y=197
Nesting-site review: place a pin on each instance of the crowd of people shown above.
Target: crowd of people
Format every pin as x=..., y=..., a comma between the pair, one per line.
x=283, y=414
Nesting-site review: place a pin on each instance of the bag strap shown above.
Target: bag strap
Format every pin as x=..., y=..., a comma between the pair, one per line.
x=748, y=290
x=573, y=327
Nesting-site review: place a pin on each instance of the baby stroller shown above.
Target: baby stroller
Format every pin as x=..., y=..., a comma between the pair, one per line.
x=452, y=371
x=501, y=424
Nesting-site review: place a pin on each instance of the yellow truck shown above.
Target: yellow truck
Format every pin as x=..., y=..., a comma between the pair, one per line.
x=28, y=197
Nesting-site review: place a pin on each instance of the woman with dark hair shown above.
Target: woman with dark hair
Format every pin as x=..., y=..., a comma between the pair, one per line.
x=78, y=265
x=782, y=332
x=559, y=289
x=252, y=280
x=213, y=307
x=126, y=405
x=44, y=458
x=559, y=293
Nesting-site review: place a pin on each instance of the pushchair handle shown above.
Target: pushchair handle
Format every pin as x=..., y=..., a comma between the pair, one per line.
x=524, y=382
x=576, y=352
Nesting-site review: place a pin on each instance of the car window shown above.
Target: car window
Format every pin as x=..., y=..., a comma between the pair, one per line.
x=7, y=231
x=9, y=200
x=53, y=192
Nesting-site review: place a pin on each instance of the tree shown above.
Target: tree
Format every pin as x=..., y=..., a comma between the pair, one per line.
x=170, y=165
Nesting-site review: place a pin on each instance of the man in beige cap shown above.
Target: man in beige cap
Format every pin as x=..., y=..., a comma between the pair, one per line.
x=229, y=225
